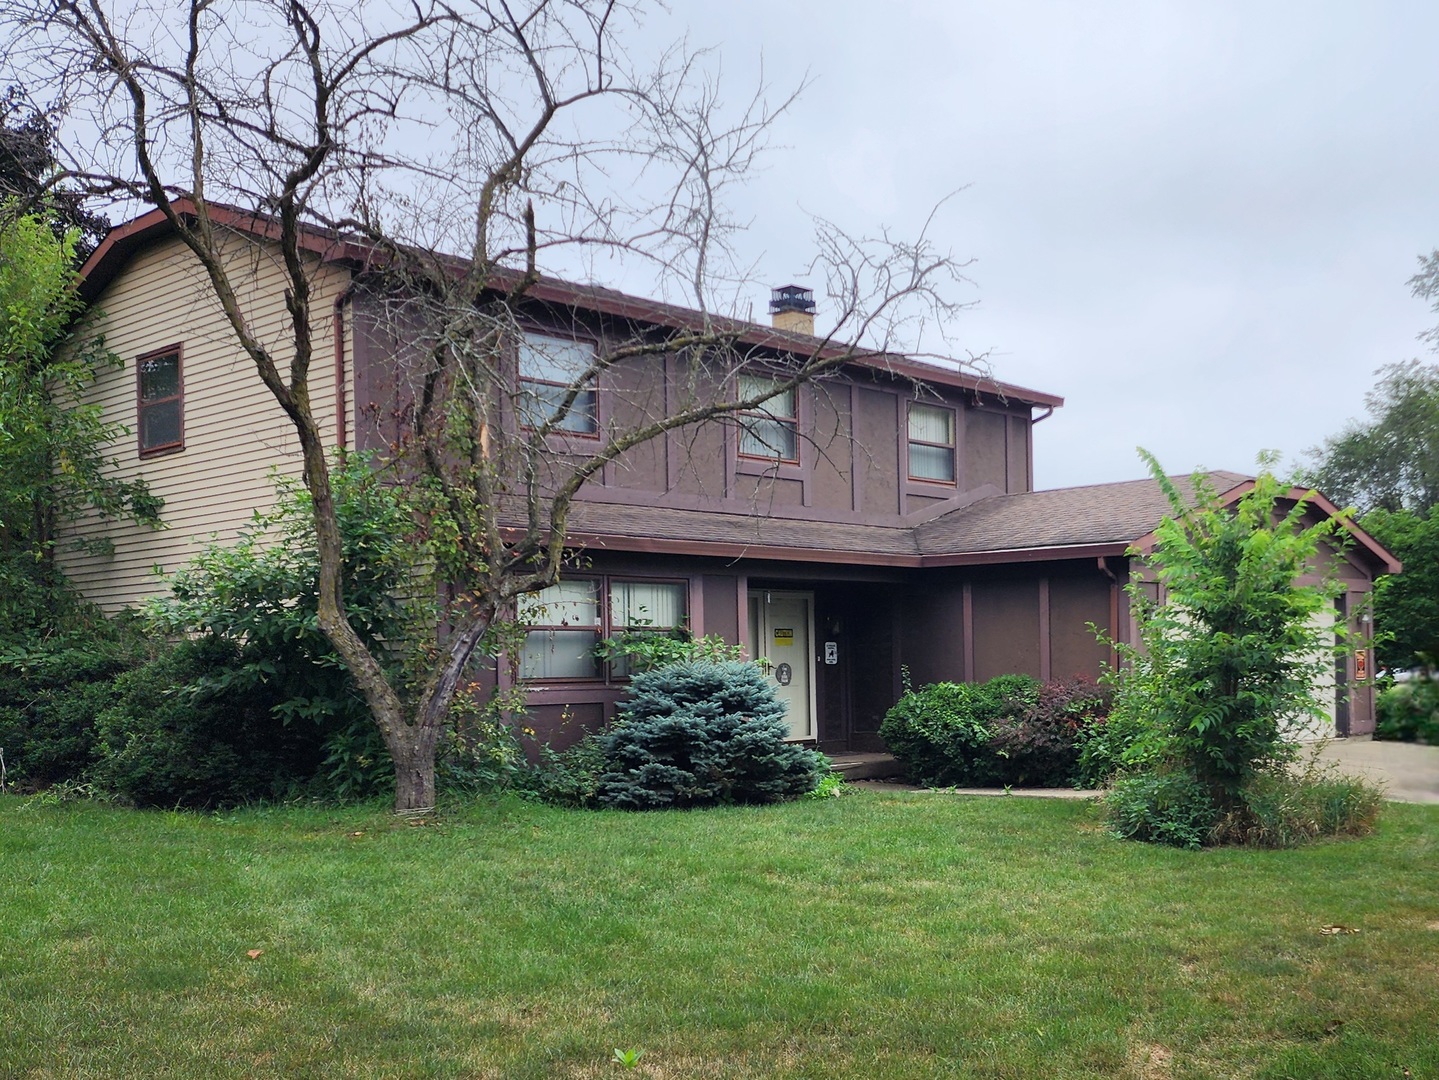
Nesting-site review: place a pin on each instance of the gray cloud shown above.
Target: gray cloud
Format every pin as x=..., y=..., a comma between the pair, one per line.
x=1194, y=221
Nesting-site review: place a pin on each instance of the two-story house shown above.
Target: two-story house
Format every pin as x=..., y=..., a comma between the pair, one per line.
x=881, y=519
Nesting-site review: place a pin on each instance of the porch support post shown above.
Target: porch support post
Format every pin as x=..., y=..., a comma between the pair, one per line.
x=968, y=621
x=1044, y=673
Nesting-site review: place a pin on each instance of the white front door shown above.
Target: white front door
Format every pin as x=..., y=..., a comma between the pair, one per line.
x=781, y=634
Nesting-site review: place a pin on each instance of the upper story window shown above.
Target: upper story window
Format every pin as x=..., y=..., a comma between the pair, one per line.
x=931, y=443
x=550, y=369
x=771, y=429
x=160, y=393
x=569, y=619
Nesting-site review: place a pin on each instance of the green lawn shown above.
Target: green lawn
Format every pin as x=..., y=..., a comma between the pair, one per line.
x=881, y=935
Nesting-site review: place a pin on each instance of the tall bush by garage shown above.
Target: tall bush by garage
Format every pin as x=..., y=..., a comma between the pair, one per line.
x=700, y=733
x=1409, y=712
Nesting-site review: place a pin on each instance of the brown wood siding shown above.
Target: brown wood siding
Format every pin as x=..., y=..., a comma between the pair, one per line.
x=874, y=650
x=1017, y=458
x=831, y=486
x=1075, y=601
x=933, y=631
x=1006, y=628
x=721, y=607
x=984, y=449
x=876, y=422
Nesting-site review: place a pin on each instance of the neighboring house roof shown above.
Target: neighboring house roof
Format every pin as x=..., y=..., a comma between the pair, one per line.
x=124, y=240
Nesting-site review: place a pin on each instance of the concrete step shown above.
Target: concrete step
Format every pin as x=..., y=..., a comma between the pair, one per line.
x=865, y=766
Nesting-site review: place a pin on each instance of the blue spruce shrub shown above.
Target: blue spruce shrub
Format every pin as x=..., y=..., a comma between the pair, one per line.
x=702, y=732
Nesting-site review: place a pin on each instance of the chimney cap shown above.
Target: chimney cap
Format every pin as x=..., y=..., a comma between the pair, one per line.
x=791, y=298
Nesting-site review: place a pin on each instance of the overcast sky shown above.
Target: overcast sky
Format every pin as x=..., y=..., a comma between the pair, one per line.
x=1195, y=221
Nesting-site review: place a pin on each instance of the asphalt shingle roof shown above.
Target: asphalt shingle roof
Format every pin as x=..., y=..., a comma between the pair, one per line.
x=744, y=530
x=1060, y=517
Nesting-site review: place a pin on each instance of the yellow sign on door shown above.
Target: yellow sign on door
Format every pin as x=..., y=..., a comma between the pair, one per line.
x=784, y=635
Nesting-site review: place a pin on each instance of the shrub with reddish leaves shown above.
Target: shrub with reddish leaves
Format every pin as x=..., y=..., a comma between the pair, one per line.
x=1035, y=740
x=1011, y=730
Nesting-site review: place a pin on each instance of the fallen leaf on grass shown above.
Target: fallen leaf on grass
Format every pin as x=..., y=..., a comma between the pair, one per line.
x=254, y=954
x=1330, y=931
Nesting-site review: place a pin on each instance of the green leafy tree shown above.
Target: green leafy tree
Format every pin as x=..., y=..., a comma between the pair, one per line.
x=51, y=463
x=1406, y=606
x=1392, y=461
x=1389, y=469
x=262, y=595
x=1235, y=651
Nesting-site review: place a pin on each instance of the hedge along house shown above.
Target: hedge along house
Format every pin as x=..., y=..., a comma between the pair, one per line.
x=880, y=519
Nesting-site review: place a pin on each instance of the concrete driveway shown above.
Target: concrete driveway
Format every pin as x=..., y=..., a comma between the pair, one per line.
x=1408, y=772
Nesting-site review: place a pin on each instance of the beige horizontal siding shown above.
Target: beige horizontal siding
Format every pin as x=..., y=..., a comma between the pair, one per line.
x=233, y=429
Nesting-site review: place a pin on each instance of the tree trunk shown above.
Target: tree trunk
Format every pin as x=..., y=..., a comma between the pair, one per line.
x=412, y=746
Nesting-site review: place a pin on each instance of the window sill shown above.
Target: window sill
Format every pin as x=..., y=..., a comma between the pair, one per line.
x=934, y=489
x=161, y=451
x=572, y=442
x=783, y=470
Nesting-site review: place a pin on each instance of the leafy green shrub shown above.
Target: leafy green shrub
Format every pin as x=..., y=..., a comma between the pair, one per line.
x=262, y=595
x=1409, y=712
x=481, y=752
x=1127, y=739
x=938, y=732
x=1283, y=809
x=1010, y=730
x=1164, y=805
x=52, y=690
x=644, y=650
x=831, y=786
x=172, y=738
x=699, y=733
x=567, y=777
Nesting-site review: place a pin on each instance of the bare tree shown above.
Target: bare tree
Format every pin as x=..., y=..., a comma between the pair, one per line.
x=458, y=146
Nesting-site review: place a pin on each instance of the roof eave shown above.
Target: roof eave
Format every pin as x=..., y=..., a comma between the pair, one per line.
x=1052, y=553
x=122, y=241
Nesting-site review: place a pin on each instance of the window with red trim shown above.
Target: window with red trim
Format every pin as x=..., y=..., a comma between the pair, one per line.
x=931, y=443
x=770, y=429
x=160, y=392
x=552, y=371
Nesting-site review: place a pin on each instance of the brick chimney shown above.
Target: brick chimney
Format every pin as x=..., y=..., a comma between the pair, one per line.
x=791, y=307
